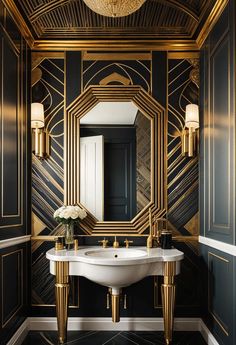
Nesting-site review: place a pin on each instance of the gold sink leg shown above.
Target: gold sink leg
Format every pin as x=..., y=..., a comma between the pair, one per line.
x=62, y=295
x=168, y=299
x=115, y=302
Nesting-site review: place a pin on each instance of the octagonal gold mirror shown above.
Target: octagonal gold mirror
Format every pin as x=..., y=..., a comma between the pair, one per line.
x=115, y=159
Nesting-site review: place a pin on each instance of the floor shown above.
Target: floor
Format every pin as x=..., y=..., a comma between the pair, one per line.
x=113, y=338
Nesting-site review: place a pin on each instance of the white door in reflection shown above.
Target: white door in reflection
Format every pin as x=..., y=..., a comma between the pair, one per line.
x=92, y=175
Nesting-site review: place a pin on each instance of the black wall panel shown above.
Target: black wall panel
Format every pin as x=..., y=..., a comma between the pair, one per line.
x=219, y=294
x=218, y=122
x=13, y=289
x=15, y=164
x=217, y=173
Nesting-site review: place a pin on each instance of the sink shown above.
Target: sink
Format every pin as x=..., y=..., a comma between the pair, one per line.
x=119, y=253
x=115, y=267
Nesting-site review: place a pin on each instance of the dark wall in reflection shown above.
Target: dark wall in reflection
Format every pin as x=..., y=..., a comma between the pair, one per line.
x=119, y=170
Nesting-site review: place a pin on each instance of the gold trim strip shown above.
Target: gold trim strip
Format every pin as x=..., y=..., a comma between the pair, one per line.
x=219, y=323
x=218, y=257
x=183, y=55
x=211, y=21
x=115, y=56
x=111, y=45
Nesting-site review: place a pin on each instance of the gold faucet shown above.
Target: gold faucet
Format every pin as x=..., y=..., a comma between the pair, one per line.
x=156, y=225
x=104, y=243
x=115, y=243
x=127, y=242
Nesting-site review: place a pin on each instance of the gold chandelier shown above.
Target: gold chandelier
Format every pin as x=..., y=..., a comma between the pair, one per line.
x=114, y=8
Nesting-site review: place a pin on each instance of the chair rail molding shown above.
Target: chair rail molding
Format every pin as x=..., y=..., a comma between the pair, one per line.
x=222, y=246
x=14, y=241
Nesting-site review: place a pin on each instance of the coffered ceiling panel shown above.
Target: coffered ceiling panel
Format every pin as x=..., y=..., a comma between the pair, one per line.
x=72, y=19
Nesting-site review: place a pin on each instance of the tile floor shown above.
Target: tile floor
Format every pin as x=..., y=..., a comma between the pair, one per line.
x=113, y=338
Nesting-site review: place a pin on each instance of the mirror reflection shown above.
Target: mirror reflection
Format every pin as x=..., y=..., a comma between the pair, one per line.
x=115, y=161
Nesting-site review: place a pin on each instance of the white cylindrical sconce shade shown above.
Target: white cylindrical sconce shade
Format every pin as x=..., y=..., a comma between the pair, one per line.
x=37, y=115
x=192, y=116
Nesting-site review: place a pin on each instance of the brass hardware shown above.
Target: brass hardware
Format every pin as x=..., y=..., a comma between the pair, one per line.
x=58, y=246
x=104, y=243
x=189, y=142
x=115, y=243
x=59, y=242
x=76, y=245
x=156, y=226
x=127, y=242
x=62, y=295
x=168, y=299
x=115, y=300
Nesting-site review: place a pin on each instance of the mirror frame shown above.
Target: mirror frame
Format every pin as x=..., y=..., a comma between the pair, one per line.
x=158, y=119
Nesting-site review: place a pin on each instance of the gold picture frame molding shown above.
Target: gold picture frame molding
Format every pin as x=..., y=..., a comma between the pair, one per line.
x=158, y=118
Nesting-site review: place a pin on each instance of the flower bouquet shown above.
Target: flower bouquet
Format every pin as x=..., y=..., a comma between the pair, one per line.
x=69, y=215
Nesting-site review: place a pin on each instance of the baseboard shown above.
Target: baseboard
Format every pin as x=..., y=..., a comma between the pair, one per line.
x=20, y=334
x=105, y=324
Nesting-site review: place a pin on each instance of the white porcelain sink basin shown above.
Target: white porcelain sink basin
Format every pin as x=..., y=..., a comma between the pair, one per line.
x=115, y=268
x=119, y=253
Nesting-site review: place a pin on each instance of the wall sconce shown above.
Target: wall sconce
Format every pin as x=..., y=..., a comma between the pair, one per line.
x=189, y=134
x=40, y=138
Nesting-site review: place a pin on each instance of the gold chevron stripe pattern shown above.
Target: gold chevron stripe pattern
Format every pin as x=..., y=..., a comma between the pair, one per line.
x=182, y=171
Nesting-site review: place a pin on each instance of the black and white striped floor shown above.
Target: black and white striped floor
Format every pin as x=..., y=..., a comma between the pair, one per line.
x=113, y=338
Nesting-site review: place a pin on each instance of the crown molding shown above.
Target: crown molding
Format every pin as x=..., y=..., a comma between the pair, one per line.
x=113, y=45
x=211, y=21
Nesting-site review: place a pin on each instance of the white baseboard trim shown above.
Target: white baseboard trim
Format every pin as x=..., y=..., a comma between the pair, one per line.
x=105, y=324
x=20, y=334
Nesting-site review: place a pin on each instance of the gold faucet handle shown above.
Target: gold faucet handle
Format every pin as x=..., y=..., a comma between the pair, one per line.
x=104, y=243
x=115, y=243
x=127, y=243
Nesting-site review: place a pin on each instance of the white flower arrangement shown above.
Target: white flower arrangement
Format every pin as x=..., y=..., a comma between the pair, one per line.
x=69, y=214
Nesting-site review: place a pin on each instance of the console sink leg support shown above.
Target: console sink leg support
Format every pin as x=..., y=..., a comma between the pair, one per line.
x=115, y=301
x=168, y=299
x=62, y=295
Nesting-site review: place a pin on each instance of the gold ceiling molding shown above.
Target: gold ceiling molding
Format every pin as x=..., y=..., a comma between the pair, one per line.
x=157, y=116
x=211, y=21
x=160, y=42
x=113, y=45
x=183, y=55
x=19, y=20
x=94, y=56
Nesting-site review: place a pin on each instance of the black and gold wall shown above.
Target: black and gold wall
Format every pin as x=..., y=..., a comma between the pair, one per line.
x=62, y=78
x=15, y=187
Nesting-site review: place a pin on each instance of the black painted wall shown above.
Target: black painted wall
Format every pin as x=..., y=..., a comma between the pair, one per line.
x=217, y=174
x=15, y=187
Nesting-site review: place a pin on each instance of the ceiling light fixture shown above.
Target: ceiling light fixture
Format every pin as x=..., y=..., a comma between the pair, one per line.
x=114, y=8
